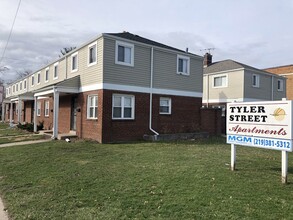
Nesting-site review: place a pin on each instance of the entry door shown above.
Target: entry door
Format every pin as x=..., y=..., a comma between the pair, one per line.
x=73, y=113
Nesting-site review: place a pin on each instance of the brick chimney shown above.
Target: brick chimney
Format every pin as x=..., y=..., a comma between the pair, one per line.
x=207, y=60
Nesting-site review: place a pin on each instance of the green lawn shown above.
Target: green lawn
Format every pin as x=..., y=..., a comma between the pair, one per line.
x=184, y=180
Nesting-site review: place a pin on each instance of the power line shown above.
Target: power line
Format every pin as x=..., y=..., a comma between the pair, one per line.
x=10, y=33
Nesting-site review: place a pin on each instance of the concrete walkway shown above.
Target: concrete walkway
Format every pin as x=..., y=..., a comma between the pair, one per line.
x=3, y=213
x=24, y=143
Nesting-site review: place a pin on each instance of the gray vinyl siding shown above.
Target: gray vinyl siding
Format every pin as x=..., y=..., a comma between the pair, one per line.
x=264, y=91
x=164, y=69
x=138, y=75
x=166, y=77
x=233, y=91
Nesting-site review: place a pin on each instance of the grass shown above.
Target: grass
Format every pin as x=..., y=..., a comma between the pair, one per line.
x=184, y=180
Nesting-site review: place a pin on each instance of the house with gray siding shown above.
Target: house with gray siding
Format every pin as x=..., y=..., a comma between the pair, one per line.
x=115, y=87
x=230, y=81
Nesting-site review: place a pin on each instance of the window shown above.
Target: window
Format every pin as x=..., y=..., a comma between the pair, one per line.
x=38, y=78
x=47, y=109
x=92, y=54
x=220, y=81
x=9, y=90
x=255, y=80
x=280, y=85
x=47, y=74
x=92, y=107
x=183, y=65
x=124, y=53
x=20, y=86
x=165, y=106
x=74, y=62
x=24, y=84
x=13, y=89
x=56, y=70
x=38, y=108
x=16, y=87
x=33, y=80
x=123, y=107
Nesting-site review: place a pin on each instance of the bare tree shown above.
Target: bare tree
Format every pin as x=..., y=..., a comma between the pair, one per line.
x=23, y=73
x=66, y=50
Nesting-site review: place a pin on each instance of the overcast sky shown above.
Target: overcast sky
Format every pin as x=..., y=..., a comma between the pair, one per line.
x=254, y=32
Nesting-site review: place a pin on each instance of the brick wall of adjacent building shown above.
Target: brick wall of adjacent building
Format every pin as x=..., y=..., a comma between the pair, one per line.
x=29, y=111
x=286, y=71
x=211, y=120
x=46, y=120
x=64, y=114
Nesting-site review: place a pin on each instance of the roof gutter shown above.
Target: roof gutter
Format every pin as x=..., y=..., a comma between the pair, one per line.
x=151, y=94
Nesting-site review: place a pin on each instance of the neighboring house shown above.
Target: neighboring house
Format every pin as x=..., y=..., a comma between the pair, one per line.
x=116, y=87
x=231, y=81
x=285, y=71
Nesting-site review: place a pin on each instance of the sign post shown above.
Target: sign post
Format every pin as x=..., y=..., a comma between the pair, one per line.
x=261, y=124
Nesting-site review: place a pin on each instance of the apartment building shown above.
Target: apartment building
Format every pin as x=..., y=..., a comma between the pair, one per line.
x=116, y=87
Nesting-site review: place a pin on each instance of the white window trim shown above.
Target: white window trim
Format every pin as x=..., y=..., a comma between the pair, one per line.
x=33, y=84
x=257, y=80
x=122, y=107
x=47, y=69
x=20, y=86
x=25, y=88
x=170, y=104
x=216, y=76
x=188, y=65
x=281, y=85
x=88, y=107
x=47, y=115
x=88, y=53
x=39, y=104
x=74, y=55
x=124, y=44
x=38, y=74
x=16, y=87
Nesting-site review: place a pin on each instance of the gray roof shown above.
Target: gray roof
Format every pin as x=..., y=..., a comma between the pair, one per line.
x=137, y=38
x=226, y=65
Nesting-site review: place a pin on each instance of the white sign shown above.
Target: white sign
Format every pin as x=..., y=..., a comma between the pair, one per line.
x=260, y=124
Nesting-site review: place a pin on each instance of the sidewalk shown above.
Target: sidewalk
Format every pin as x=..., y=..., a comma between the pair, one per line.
x=24, y=143
x=3, y=213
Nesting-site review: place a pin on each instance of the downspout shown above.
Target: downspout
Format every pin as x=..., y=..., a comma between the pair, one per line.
x=272, y=88
x=151, y=94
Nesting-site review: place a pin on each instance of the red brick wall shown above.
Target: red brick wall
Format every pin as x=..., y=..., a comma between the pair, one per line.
x=28, y=108
x=185, y=117
x=211, y=120
x=47, y=120
x=64, y=113
x=89, y=128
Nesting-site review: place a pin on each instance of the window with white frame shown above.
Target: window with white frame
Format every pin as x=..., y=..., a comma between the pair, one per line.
x=255, y=80
x=38, y=108
x=92, y=107
x=183, y=65
x=13, y=88
x=9, y=90
x=33, y=80
x=47, y=74
x=38, y=78
x=165, y=106
x=74, y=62
x=92, y=54
x=16, y=87
x=20, y=86
x=280, y=85
x=55, y=71
x=124, y=53
x=220, y=81
x=123, y=106
x=24, y=84
x=47, y=109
